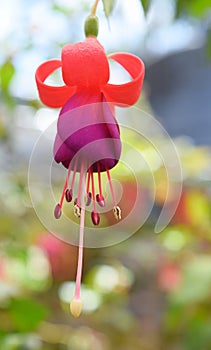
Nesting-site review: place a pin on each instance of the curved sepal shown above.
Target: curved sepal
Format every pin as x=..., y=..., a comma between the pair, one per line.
x=128, y=93
x=52, y=96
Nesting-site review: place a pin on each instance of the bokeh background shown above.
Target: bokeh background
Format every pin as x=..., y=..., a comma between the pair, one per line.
x=152, y=291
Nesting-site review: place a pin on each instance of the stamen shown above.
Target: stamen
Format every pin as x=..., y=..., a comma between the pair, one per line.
x=69, y=195
x=93, y=192
x=116, y=210
x=58, y=207
x=95, y=218
x=94, y=215
x=99, y=197
x=73, y=178
x=57, y=211
x=99, y=180
x=76, y=303
x=88, y=181
x=88, y=193
x=88, y=199
x=111, y=188
x=77, y=211
x=80, y=186
x=64, y=188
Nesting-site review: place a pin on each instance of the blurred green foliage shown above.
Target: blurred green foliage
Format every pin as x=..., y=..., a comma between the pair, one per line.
x=145, y=4
x=7, y=72
x=196, y=8
x=108, y=6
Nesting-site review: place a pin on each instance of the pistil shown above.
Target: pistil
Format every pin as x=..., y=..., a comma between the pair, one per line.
x=76, y=303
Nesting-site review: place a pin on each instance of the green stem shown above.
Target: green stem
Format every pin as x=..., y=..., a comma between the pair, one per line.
x=94, y=8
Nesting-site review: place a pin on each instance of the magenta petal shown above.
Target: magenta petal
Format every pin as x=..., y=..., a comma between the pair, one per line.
x=62, y=153
x=87, y=127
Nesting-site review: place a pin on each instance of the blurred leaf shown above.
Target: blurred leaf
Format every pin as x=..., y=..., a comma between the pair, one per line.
x=61, y=9
x=173, y=316
x=7, y=72
x=198, y=209
x=208, y=45
x=196, y=281
x=108, y=6
x=27, y=314
x=198, y=335
x=196, y=8
x=145, y=4
x=15, y=341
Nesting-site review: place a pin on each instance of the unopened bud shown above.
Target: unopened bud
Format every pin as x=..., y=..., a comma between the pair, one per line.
x=91, y=26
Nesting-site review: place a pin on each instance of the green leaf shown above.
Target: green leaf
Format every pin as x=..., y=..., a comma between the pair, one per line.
x=108, y=6
x=145, y=4
x=7, y=72
x=195, y=8
x=26, y=314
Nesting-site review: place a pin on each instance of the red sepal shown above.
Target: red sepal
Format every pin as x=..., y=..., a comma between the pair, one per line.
x=128, y=93
x=52, y=96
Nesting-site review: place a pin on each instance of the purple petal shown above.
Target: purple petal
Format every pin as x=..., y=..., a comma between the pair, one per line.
x=89, y=130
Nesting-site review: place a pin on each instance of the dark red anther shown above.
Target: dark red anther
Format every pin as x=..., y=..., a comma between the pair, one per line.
x=68, y=195
x=100, y=200
x=95, y=218
x=57, y=211
x=88, y=199
x=75, y=201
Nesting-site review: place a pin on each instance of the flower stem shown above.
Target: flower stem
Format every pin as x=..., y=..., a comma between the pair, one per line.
x=94, y=8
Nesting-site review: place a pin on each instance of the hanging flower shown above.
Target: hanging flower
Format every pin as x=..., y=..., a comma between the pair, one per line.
x=88, y=135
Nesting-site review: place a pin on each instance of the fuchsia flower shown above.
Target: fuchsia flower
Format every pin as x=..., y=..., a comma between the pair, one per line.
x=88, y=136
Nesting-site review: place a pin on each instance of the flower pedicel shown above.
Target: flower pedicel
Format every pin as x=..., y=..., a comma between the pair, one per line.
x=88, y=136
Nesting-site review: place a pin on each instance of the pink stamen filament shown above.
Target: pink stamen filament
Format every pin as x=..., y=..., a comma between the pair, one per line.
x=81, y=240
x=111, y=188
x=99, y=181
x=73, y=178
x=65, y=187
x=80, y=185
x=88, y=181
x=93, y=192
